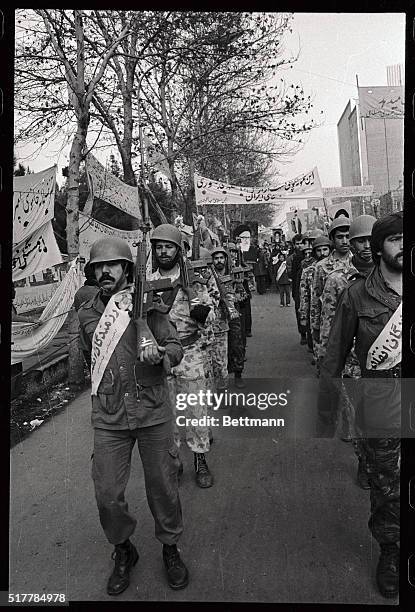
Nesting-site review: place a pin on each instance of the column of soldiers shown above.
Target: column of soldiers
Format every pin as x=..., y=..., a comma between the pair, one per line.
x=350, y=300
x=199, y=327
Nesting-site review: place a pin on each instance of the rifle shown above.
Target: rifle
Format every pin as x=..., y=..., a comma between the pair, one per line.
x=144, y=292
x=231, y=311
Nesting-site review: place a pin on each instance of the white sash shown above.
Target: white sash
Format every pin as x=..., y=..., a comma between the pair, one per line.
x=112, y=324
x=281, y=270
x=386, y=351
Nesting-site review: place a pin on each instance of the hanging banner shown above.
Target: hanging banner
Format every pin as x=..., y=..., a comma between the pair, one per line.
x=336, y=210
x=31, y=298
x=348, y=192
x=28, y=338
x=386, y=102
x=93, y=230
x=208, y=191
x=36, y=253
x=107, y=187
x=33, y=202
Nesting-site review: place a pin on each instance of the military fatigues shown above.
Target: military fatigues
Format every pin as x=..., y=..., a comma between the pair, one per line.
x=132, y=403
x=322, y=269
x=305, y=264
x=306, y=284
x=190, y=375
x=364, y=309
x=236, y=335
x=220, y=329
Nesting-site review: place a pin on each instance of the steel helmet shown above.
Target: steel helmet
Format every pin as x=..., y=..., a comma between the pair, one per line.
x=110, y=249
x=321, y=241
x=205, y=255
x=315, y=233
x=219, y=249
x=167, y=232
x=341, y=221
x=186, y=240
x=361, y=226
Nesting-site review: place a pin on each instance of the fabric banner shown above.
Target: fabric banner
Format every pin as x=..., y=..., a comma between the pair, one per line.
x=33, y=202
x=28, y=338
x=107, y=187
x=112, y=324
x=93, y=230
x=36, y=253
x=335, y=210
x=348, y=192
x=36, y=296
x=386, y=351
x=386, y=102
x=208, y=191
x=281, y=269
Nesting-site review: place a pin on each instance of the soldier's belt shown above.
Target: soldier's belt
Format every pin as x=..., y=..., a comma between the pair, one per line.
x=188, y=340
x=392, y=373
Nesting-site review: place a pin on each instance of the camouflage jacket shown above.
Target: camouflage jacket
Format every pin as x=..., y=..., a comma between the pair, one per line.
x=221, y=323
x=322, y=269
x=306, y=284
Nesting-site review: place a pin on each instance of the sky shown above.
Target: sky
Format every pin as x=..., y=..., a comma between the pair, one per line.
x=333, y=47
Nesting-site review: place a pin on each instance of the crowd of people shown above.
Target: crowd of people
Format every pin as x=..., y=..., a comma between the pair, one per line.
x=346, y=286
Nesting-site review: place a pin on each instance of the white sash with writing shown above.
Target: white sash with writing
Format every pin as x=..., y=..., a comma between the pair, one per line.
x=281, y=270
x=386, y=351
x=112, y=324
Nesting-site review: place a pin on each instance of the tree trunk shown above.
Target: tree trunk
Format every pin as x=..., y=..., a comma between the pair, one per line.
x=76, y=376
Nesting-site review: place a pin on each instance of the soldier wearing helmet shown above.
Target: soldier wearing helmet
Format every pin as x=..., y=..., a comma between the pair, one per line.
x=369, y=317
x=190, y=375
x=130, y=401
x=340, y=257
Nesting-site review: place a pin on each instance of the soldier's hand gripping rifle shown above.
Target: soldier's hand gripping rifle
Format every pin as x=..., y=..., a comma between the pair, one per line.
x=144, y=300
x=221, y=283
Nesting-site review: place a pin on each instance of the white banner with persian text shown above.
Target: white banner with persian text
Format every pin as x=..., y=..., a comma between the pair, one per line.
x=93, y=230
x=36, y=296
x=28, y=338
x=208, y=191
x=386, y=351
x=385, y=102
x=33, y=202
x=108, y=187
x=36, y=253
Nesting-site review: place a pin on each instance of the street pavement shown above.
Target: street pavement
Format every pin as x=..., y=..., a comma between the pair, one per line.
x=284, y=521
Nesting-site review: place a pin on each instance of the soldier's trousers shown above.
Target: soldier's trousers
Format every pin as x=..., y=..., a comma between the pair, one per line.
x=383, y=458
x=189, y=377
x=236, y=346
x=111, y=470
x=220, y=359
x=246, y=319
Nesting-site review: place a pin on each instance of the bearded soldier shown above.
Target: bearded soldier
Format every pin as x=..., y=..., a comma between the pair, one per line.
x=130, y=402
x=369, y=314
x=190, y=316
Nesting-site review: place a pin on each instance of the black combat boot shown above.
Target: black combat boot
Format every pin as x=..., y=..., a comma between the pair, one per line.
x=177, y=574
x=387, y=571
x=125, y=556
x=204, y=478
x=362, y=477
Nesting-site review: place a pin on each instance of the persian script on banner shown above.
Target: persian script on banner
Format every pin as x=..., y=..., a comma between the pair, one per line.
x=36, y=253
x=382, y=102
x=29, y=338
x=386, y=351
x=107, y=187
x=33, y=202
x=208, y=191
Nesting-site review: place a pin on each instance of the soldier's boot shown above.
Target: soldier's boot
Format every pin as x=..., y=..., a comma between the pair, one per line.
x=239, y=383
x=204, y=478
x=362, y=477
x=125, y=556
x=387, y=571
x=177, y=574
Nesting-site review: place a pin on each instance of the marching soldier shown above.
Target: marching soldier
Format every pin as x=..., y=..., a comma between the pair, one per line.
x=369, y=314
x=130, y=402
x=190, y=375
x=339, y=258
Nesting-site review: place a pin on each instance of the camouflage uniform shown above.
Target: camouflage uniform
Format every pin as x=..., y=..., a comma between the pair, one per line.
x=221, y=330
x=236, y=335
x=306, y=284
x=306, y=263
x=322, y=269
x=190, y=375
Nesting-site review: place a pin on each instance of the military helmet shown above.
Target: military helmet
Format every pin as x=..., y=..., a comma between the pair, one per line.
x=321, y=241
x=315, y=233
x=110, y=249
x=167, y=232
x=361, y=226
x=219, y=249
x=205, y=255
x=186, y=239
x=341, y=221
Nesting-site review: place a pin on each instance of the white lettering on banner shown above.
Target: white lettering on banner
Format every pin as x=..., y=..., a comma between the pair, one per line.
x=37, y=296
x=28, y=338
x=208, y=191
x=36, y=253
x=281, y=270
x=382, y=102
x=111, y=189
x=108, y=332
x=33, y=202
x=93, y=230
x=348, y=192
x=386, y=351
